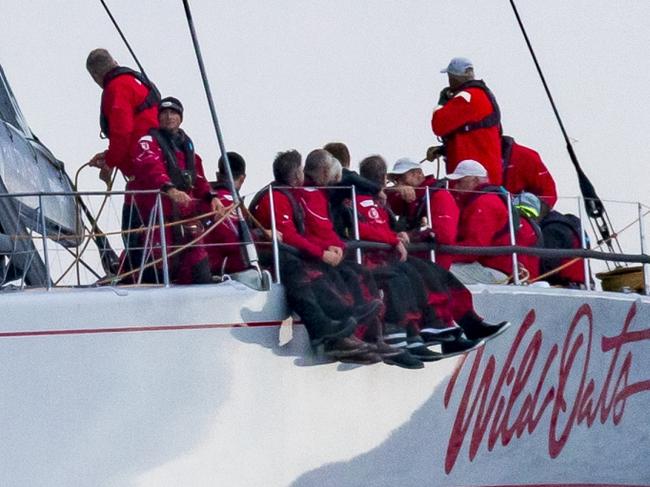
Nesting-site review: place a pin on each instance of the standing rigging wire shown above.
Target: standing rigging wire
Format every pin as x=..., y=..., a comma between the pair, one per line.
x=251, y=252
x=595, y=208
x=119, y=31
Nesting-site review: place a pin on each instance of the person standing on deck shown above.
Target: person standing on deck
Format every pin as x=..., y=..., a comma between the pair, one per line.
x=165, y=160
x=468, y=120
x=128, y=110
x=524, y=170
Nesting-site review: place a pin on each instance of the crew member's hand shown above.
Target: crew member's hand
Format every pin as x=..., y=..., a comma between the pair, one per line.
x=404, y=238
x=434, y=151
x=445, y=95
x=407, y=193
x=268, y=233
x=217, y=206
x=106, y=174
x=331, y=258
x=181, y=198
x=336, y=250
x=381, y=196
x=401, y=251
x=98, y=160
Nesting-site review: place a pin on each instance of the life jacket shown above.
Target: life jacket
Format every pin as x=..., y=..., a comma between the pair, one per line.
x=298, y=212
x=152, y=99
x=183, y=179
x=490, y=120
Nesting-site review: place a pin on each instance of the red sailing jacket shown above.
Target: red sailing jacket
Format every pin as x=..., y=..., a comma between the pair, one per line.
x=223, y=243
x=484, y=223
x=482, y=145
x=150, y=172
x=120, y=98
x=374, y=226
x=285, y=222
x=524, y=170
x=319, y=228
x=444, y=214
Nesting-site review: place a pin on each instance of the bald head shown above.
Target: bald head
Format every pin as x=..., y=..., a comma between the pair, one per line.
x=98, y=63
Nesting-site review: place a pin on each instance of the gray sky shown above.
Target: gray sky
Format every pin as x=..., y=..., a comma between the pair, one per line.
x=298, y=74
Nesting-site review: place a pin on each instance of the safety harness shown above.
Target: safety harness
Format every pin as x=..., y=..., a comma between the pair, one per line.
x=182, y=179
x=151, y=100
x=490, y=120
x=298, y=212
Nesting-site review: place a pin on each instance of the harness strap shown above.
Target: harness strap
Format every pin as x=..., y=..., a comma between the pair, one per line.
x=152, y=99
x=183, y=179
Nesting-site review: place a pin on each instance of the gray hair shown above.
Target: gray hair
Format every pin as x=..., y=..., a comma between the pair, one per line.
x=99, y=62
x=320, y=161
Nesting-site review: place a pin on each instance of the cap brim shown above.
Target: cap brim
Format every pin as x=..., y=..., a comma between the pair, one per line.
x=454, y=177
x=444, y=70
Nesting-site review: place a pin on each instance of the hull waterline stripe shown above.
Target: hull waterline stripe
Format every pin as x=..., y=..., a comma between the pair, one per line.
x=131, y=329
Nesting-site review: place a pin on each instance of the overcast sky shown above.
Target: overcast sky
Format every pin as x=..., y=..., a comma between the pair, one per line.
x=299, y=73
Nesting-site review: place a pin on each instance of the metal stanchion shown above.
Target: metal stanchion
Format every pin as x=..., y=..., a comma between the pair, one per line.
x=646, y=276
x=513, y=241
x=355, y=217
x=274, y=237
x=583, y=241
x=432, y=253
x=163, y=240
x=46, y=257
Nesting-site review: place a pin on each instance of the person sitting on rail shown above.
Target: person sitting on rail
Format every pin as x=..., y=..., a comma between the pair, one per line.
x=442, y=300
x=408, y=200
x=485, y=222
x=165, y=160
x=223, y=243
x=307, y=267
x=340, y=198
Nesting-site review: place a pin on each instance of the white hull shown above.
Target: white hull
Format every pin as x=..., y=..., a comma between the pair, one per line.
x=199, y=402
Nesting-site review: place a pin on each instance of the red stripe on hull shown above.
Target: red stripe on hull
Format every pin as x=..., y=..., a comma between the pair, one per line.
x=131, y=329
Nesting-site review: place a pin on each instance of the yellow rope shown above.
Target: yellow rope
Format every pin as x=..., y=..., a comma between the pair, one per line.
x=119, y=277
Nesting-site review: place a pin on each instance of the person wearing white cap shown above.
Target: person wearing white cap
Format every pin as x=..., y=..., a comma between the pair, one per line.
x=408, y=200
x=484, y=220
x=468, y=120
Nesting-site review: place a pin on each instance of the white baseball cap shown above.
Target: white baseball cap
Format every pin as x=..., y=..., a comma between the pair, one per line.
x=458, y=66
x=404, y=165
x=468, y=167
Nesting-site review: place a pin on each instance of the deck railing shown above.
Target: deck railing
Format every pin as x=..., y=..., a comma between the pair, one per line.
x=56, y=239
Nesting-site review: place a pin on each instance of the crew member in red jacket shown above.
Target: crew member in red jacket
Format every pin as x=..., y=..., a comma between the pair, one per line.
x=129, y=108
x=441, y=298
x=314, y=290
x=484, y=220
x=407, y=199
x=468, y=120
x=524, y=171
x=224, y=242
x=165, y=160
